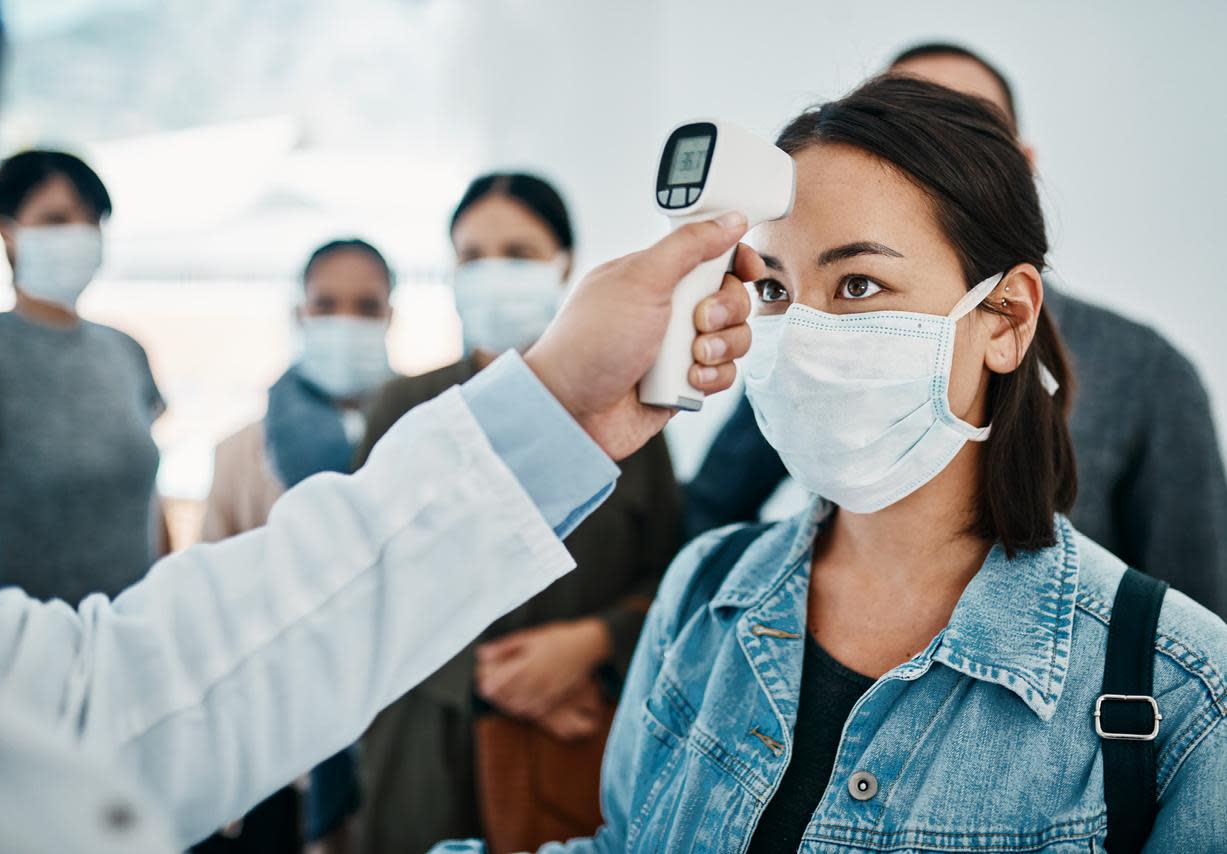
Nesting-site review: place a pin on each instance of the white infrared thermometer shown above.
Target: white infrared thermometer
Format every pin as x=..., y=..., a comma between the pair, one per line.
x=709, y=168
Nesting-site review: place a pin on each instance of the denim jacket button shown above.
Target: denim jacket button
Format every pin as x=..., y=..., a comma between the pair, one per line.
x=862, y=785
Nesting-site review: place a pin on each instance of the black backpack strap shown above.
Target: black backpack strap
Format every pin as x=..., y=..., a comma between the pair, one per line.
x=1126, y=715
x=715, y=568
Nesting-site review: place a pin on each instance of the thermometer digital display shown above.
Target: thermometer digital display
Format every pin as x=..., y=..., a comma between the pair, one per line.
x=709, y=168
x=689, y=158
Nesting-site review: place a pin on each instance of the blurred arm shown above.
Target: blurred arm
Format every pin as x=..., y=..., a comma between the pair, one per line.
x=738, y=475
x=1171, y=510
x=660, y=540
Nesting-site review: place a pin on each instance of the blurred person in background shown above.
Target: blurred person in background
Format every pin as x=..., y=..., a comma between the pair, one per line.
x=313, y=424
x=1151, y=484
x=78, y=506
x=505, y=741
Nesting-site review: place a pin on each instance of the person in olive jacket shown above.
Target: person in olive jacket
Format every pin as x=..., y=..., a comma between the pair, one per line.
x=558, y=660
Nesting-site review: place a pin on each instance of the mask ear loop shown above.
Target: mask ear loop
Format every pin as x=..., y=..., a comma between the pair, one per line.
x=979, y=294
x=974, y=297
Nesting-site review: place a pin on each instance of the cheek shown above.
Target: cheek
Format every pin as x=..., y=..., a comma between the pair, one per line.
x=968, y=376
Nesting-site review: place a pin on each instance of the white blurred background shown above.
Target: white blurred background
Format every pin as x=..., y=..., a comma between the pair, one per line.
x=234, y=136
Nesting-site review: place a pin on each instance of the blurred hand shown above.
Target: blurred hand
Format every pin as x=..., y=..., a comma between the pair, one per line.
x=528, y=673
x=608, y=333
x=577, y=716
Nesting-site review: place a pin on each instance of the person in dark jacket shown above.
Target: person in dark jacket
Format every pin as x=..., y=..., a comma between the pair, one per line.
x=557, y=661
x=1151, y=484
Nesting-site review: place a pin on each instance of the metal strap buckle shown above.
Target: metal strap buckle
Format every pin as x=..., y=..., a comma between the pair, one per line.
x=1128, y=698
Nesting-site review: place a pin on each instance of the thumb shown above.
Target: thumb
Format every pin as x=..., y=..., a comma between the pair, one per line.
x=679, y=252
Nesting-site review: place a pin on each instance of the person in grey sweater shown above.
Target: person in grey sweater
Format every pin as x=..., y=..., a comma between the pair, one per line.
x=1151, y=483
x=78, y=508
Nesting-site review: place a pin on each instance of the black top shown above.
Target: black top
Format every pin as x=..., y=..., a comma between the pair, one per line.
x=828, y=692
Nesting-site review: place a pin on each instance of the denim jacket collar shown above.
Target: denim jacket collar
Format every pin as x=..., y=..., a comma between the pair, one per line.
x=1012, y=626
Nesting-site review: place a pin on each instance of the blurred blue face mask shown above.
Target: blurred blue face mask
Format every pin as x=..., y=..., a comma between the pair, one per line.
x=857, y=404
x=344, y=357
x=506, y=303
x=55, y=263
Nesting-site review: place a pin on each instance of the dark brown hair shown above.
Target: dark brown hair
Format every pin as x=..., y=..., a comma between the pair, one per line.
x=27, y=171
x=536, y=194
x=349, y=244
x=961, y=153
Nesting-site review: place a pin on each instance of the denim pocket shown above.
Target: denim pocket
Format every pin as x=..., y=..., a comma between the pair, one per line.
x=656, y=767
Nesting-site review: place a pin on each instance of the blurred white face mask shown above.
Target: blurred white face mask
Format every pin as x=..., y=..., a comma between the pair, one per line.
x=344, y=356
x=55, y=263
x=506, y=303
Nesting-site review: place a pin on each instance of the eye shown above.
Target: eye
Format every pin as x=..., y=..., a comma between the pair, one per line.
x=370, y=308
x=858, y=287
x=769, y=290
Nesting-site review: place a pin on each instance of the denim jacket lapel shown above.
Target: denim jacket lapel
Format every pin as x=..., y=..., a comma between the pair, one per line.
x=1014, y=623
x=1012, y=626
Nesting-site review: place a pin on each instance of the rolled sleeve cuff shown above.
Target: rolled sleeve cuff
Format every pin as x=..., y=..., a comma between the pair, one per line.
x=563, y=471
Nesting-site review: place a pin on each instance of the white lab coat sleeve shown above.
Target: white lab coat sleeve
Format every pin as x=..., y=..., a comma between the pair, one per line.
x=234, y=667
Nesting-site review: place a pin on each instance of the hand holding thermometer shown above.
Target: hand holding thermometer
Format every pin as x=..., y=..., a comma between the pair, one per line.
x=709, y=168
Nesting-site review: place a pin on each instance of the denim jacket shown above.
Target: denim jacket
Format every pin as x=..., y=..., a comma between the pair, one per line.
x=984, y=741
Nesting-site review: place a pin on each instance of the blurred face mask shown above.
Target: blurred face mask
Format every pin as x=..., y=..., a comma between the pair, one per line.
x=344, y=356
x=55, y=263
x=857, y=404
x=506, y=303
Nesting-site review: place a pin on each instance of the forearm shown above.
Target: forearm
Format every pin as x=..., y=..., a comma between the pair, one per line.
x=235, y=667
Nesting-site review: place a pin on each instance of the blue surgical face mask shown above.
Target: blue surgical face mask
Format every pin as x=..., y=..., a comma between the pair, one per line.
x=55, y=263
x=506, y=303
x=344, y=357
x=857, y=404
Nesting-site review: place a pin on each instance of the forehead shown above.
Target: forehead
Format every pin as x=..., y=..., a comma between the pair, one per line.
x=347, y=268
x=497, y=216
x=846, y=195
x=54, y=193
x=959, y=73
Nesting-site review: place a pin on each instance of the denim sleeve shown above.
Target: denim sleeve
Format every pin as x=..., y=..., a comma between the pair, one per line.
x=563, y=471
x=1193, y=808
x=737, y=476
x=1173, y=501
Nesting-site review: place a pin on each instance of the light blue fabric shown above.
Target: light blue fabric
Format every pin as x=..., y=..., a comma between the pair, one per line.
x=303, y=431
x=563, y=471
x=982, y=742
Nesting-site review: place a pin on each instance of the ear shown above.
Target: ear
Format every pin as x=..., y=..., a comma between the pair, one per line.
x=8, y=231
x=1016, y=303
x=1028, y=151
x=568, y=267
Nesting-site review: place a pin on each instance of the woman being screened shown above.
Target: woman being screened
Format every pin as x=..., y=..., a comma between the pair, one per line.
x=911, y=664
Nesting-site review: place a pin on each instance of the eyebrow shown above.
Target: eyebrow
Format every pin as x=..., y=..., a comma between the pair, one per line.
x=772, y=262
x=852, y=250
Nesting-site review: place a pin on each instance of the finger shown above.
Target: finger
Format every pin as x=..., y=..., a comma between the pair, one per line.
x=747, y=265
x=497, y=649
x=683, y=249
x=496, y=682
x=710, y=380
x=720, y=347
x=728, y=306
